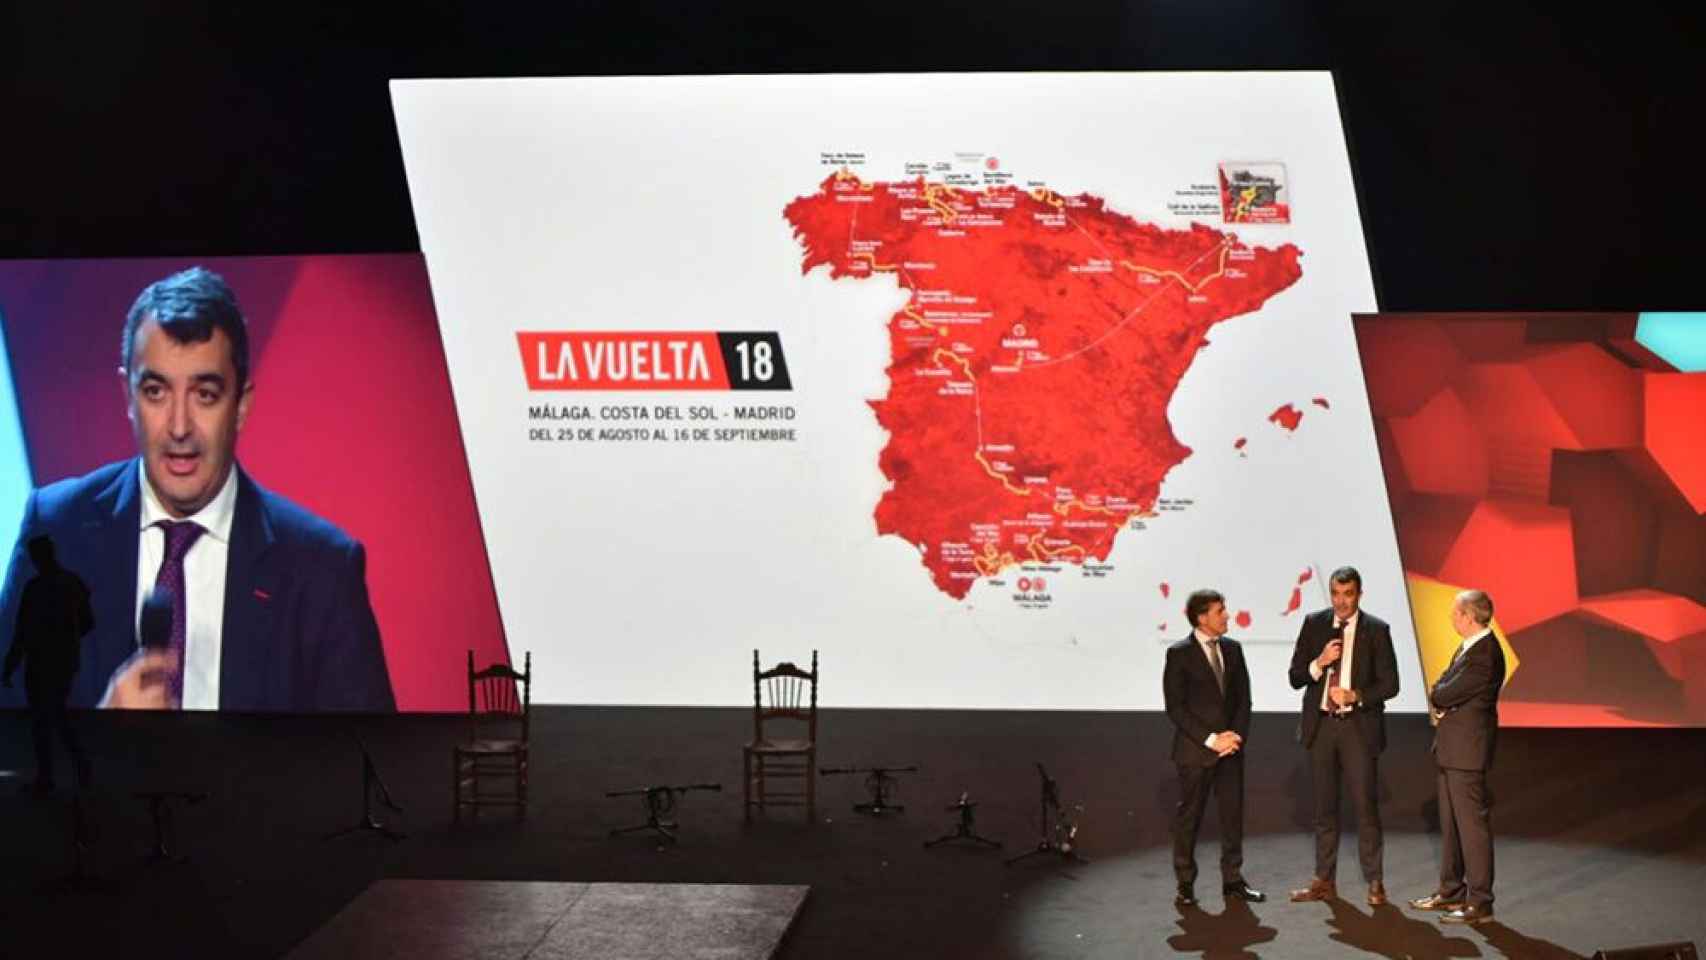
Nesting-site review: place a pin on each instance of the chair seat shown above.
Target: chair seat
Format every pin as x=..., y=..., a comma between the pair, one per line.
x=780, y=746
x=492, y=747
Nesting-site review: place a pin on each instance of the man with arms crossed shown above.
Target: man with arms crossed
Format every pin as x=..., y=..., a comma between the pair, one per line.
x=1206, y=686
x=1465, y=706
x=1345, y=665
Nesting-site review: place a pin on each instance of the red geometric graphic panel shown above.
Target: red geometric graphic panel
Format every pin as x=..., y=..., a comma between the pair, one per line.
x=1559, y=465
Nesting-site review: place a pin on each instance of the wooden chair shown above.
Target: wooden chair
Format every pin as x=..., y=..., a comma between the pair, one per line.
x=784, y=692
x=496, y=749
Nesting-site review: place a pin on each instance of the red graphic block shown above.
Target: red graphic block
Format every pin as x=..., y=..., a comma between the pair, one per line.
x=1598, y=397
x=1614, y=517
x=1554, y=656
x=1489, y=338
x=1663, y=618
x=1405, y=363
x=1428, y=528
x=1675, y=632
x=1620, y=337
x=1511, y=409
x=1522, y=554
x=1676, y=431
x=1442, y=449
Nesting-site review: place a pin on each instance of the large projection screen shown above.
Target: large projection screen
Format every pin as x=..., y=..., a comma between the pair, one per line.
x=964, y=381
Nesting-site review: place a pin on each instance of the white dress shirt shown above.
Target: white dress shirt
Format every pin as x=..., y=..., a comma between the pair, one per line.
x=1214, y=656
x=204, y=583
x=1345, y=652
x=1471, y=641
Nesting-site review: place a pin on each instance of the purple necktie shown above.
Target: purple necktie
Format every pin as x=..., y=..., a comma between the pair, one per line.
x=179, y=537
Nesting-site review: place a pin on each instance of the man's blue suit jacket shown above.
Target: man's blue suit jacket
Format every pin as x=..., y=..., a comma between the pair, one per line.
x=299, y=633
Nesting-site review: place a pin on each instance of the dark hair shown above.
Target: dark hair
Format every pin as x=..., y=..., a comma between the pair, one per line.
x=1198, y=603
x=41, y=552
x=189, y=306
x=1347, y=575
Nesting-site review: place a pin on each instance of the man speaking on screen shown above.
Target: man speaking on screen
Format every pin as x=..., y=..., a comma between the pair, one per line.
x=269, y=605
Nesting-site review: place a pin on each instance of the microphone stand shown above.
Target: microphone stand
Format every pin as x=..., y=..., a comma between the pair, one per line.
x=880, y=782
x=659, y=803
x=1057, y=833
x=369, y=780
x=966, y=829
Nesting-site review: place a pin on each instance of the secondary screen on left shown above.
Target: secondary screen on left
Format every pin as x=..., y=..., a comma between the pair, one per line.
x=341, y=569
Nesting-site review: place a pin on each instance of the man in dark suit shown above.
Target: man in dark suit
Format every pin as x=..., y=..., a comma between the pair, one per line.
x=269, y=603
x=1345, y=664
x=53, y=617
x=1464, y=705
x=1207, y=691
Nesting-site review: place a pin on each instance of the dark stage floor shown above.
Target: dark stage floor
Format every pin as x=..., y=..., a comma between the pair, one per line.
x=1601, y=836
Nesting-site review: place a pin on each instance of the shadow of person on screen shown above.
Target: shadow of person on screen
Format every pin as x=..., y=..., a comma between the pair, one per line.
x=1223, y=936
x=1387, y=932
x=54, y=614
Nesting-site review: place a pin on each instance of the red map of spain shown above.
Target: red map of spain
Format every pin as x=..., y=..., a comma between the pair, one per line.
x=1031, y=367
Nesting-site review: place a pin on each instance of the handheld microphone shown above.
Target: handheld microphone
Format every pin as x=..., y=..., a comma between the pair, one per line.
x=154, y=630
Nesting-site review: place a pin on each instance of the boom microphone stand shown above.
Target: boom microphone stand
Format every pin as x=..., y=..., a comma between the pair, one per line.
x=1057, y=833
x=879, y=782
x=659, y=802
x=369, y=780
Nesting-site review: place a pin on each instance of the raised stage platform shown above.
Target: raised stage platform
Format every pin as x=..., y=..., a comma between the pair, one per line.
x=1601, y=836
x=520, y=920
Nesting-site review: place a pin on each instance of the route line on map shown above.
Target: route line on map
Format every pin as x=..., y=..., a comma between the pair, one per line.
x=1222, y=248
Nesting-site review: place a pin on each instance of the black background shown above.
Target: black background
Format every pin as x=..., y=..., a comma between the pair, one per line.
x=1508, y=156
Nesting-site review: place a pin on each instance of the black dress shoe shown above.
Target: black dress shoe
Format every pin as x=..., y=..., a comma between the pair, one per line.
x=1468, y=913
x=1187, y=897
x=1243, y=891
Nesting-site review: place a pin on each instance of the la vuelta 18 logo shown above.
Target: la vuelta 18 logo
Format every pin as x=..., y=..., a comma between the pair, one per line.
x=674, y=360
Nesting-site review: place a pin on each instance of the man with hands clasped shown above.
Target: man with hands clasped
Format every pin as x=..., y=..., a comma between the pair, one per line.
x=1206, y=685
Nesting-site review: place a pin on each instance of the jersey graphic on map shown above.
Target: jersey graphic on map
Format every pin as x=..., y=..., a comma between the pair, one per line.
x=1251, y=193
x=1031, y=368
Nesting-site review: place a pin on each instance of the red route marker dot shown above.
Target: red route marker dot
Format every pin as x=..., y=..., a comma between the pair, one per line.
x=1243, y=619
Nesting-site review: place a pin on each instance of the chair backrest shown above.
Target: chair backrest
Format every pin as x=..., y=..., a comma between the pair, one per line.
x=500, y=697
x=784, y=692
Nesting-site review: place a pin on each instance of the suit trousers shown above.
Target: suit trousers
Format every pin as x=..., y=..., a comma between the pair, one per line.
x=1226, y=779
x=1466, y=837
x=1340, y=752
x=47, y=717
